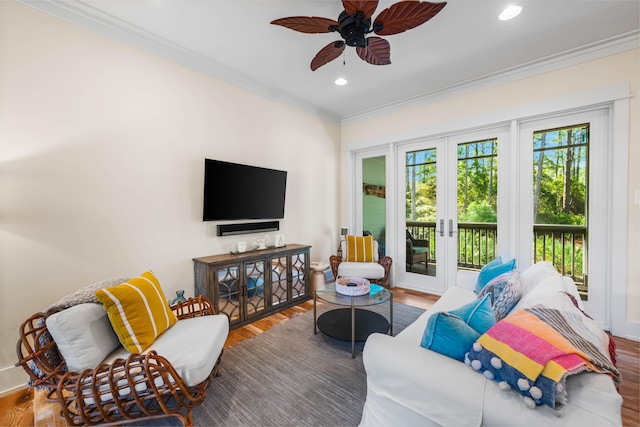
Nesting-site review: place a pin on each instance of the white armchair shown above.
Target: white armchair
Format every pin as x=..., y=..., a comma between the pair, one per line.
x=376, y=272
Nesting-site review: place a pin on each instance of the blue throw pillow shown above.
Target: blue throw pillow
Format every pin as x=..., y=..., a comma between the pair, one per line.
x=494, y=262
x=478, y=314
x=449, y=335
x=491, y=271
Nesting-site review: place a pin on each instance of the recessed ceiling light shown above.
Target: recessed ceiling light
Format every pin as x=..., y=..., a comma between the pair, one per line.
x=341, y=81
x=510, y=12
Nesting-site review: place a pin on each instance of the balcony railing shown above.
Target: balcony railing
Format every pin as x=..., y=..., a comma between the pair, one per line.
x=562, y=245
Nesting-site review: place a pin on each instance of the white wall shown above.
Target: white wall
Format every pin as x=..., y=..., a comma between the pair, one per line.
x=101, y=166
x=476, y=109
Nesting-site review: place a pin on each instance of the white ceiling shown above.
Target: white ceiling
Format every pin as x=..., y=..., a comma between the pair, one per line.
x=465, y=45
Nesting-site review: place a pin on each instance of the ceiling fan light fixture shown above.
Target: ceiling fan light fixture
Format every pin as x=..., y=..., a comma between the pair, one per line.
x=510, y=12
x=341, y=81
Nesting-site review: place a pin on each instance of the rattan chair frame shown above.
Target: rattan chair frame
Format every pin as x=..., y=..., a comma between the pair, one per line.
x=140, y=387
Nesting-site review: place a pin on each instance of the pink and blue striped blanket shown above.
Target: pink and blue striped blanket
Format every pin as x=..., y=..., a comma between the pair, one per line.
x=534, y=350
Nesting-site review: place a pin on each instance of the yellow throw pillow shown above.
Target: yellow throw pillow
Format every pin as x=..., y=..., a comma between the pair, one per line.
x=360, y=249
x=138, y=311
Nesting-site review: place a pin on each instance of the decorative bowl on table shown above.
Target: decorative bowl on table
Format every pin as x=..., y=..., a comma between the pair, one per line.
x=352, y=286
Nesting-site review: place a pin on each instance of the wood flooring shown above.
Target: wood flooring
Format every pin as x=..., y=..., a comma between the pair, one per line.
x=22, y=408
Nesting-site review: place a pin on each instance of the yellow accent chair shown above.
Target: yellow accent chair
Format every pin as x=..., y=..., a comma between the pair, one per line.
x=376, y=271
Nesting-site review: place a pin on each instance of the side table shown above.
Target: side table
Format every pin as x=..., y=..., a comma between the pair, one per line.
x=317, y=275
x=351, y=323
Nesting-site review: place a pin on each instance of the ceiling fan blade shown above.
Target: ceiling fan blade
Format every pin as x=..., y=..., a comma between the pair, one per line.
x=377, y=52
x=365, y=6
x=327, y=54
x=308, y=24
x=404, y=16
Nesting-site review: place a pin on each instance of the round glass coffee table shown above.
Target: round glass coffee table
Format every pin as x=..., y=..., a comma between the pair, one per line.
x=352, y=324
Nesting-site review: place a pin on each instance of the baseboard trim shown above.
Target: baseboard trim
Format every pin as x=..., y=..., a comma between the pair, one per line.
x=633, y=331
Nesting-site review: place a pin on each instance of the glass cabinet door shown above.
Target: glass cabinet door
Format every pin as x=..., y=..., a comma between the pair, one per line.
x=229, y=292
x=298, y=273
x=254, y=288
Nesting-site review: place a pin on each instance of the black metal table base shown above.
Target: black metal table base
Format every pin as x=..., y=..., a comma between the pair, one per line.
x=337, y=324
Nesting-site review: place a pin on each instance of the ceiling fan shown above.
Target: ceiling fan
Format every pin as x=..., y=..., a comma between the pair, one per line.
x=354, y=25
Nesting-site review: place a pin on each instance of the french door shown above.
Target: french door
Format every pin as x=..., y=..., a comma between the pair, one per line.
x=448, y=205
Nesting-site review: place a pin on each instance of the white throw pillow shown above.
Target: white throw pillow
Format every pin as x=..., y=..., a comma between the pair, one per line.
x=84, y=335
x=535, y=274
x=551, y=287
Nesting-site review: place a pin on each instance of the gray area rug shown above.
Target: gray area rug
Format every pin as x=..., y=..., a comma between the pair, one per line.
x=287, y=376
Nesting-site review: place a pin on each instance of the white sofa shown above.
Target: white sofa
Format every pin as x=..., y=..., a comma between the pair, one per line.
x=410, y=385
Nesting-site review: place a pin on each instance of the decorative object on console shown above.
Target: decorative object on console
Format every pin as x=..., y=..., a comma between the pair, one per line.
x=279, y=241
x=261, y=243
x=179, y=297
x=352, y=286
x=242, y=247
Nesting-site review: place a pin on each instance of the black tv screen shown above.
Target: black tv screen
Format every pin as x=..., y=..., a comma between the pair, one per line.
x=235, y=191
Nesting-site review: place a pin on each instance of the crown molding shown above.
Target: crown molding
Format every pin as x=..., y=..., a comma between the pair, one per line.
x=601, y=49
x=83, y=14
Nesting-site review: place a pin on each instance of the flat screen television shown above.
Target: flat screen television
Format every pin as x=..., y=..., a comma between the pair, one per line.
x=235, y=191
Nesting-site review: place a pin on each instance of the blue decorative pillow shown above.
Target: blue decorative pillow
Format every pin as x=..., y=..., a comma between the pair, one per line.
x=449, y=335
x=478, y=314
x=494, y=262
x=505, y=291
x=491, y=271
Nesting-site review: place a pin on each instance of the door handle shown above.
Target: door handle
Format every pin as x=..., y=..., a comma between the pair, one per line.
x=451, y=230
x=441, y=231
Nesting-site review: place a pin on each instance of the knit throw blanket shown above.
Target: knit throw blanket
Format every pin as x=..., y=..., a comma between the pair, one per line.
x=534, y=350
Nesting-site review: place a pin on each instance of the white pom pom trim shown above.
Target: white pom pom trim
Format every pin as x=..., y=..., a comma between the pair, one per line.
x=528, y=402
x=523, y=384
x=476, y=364
x=477, y=346
x=489, y=375
x=504, y=386
x=496, y=363
x=535, y=392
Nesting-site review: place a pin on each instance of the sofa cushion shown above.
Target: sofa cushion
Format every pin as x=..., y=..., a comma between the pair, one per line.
x=138, y=311
x=191, y=345
x=367, y=270
x=360, y=249
x=505, y=291
x=492, y=270
x=449, y=335
x=83, y=334
x=478, y=314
